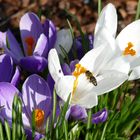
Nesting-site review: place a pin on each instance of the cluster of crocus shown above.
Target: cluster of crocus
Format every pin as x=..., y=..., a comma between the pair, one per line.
x=108, y=64
x=37, y=40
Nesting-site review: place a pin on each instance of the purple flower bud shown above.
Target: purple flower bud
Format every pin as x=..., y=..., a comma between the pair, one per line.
x=76, y=112
x=100, y=116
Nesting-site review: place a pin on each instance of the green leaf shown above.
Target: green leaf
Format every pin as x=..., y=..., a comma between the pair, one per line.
x=33, y=125
x=7, y=129
x=1, y=132
x=63, y=112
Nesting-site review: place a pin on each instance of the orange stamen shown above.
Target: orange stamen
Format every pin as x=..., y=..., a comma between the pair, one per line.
x=128, y=50
x=78, y=70
x=30, y=45
x=39, y=117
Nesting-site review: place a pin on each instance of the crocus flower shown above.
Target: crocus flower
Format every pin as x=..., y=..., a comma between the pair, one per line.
x=37, y=40
x=127, y=41
x=7, y=70
x=35, y=96
x=95, y=74
x=77, y=47
x=77, y=112
x=100, y=116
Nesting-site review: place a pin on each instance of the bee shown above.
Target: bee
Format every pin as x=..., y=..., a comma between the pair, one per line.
x=91, y=78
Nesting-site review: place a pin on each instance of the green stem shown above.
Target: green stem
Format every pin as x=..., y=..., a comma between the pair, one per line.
x=99, y=6
x=138, y=11
x=102, y=136
x=65, y=130
x=135, y=128
x=88, y=123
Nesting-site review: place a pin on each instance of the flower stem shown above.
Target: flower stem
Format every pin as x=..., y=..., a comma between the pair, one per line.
x=138, y=11
x=99, y=6
x=88, y=124
x=102, y=136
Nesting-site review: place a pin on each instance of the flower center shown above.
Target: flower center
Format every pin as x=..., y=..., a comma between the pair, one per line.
x=128, y=50
x=78, y=70
x=39, y=117
x=30, y=42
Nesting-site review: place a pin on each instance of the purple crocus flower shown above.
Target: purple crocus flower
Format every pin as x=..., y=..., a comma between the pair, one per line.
x=77, y=46
x=100, y=116
x=36, y=38
x=35, y=96
x=7, y=70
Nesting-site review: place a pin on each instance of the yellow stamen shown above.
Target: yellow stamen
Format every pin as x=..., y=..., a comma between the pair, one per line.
x=128, y=50
x=30, y=43
x=39, y=117
x=78, y=70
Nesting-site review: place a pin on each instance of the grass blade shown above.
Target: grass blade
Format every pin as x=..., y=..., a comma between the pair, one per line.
x=1, y=132
x=7, y=129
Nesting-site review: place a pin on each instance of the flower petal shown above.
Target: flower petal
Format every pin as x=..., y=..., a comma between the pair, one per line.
x=41, y=48
x=118, y=64
x=30, y=26
x=130, y=34
x=95, y=59
x=33, y=64
x=109, y=81
x=14, y=49
x=100, y=116
x=54, y=65
x=16, y=77
x=2, y=39
x=64, y=87
x=7, y=93
x=64, y=39
x=84, y=95
x=107, y=19
x=77, y=112
x=50, y=32
x=36, y=95
x=66, y=69
x=6, y=68
x=135, y=74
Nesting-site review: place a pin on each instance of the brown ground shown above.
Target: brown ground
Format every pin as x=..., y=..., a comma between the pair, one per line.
x=12, y=10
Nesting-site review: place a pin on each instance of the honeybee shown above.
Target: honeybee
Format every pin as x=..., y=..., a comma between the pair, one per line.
x=91, y=78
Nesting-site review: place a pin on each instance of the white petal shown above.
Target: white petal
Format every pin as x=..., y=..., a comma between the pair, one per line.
x=88, y=101
x=107, y=19
x=95, y=59
x=64, y=39
x=109, y=81
x=135, y=62
x=64, y=87
x=84, y=95
x=54, y=65
x=104, y=38
x=130, y=34
x=118, y=64
x=135, y=74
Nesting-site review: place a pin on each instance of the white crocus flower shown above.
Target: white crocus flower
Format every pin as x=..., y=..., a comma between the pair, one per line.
x=127, y=41
x=64, y=41
x=95, y=74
